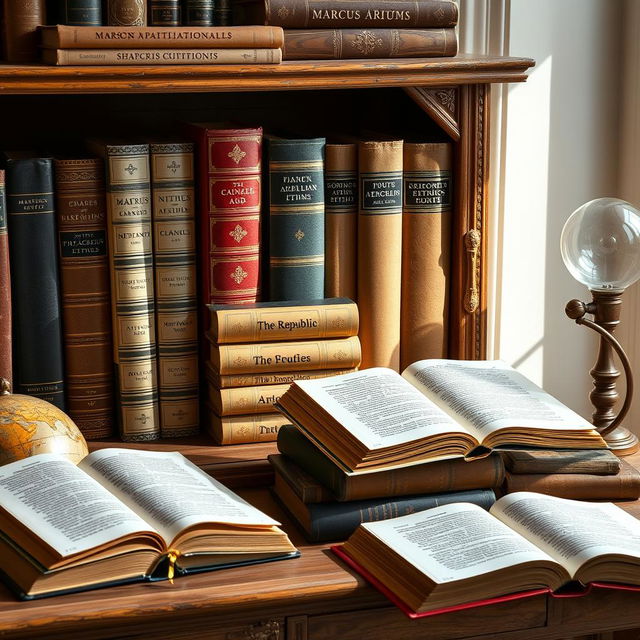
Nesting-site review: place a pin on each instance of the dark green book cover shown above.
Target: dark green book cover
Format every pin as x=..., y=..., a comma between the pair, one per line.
x=83, y=13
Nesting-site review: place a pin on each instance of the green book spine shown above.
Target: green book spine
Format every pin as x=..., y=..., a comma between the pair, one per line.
x=174, y=248
x=197, y=13
x=83, y=13
x=296, y=224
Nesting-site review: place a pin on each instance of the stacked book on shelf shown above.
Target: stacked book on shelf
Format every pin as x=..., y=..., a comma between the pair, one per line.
x=256, y=351
x=351, y=29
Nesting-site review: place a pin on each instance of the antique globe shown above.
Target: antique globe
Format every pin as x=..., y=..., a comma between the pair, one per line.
x=29, y=426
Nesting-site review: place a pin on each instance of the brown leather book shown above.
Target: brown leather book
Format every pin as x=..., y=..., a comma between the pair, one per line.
x=426, y=240
x=86, y=300
x=579, y=486
x=341, y=220
x=6, y=369
x=244, y=429
x=592, y=461
x=20, y=29
x=306, y=487
x=344, y=44
x=380, y=251
x=127, y=13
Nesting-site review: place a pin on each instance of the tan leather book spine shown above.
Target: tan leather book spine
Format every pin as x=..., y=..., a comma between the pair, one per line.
x=86, y=300
x=380, y=252
x=20, y=20
x=274, y=323
x=426, y=249
x=69, y=37
x=6, y=359
x=341, y=220
x=127, y=13
x=242, y=400
x=342, y=353
x=245, y=429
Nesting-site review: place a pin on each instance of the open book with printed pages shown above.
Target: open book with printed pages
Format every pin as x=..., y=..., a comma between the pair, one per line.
x=377, y=419
x=459, y=556
x=123, y=516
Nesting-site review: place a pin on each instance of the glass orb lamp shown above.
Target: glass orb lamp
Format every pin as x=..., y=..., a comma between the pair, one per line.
x=600, y=246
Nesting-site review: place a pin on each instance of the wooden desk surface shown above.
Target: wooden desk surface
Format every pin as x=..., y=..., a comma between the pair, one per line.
x=311, y=598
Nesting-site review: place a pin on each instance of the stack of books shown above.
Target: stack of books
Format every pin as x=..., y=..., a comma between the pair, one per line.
x=256, y=351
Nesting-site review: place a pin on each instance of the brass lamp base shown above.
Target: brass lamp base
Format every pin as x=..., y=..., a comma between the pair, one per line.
x=622, y=442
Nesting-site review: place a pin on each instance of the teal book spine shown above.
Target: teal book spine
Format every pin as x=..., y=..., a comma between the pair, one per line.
x=83, y=13
x=296, y=218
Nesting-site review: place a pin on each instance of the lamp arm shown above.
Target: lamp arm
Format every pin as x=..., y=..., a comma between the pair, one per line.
x=626, y=365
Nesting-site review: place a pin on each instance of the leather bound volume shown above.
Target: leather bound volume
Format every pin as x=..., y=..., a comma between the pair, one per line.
x=198, y=13
x=426, y=249
x=244, y=429
x=165, y=13
x=594, y=461
x=236, y=401
x=174, y=244
x=380, y=251
x=296, y=218
x=6, y=369
x=341, y=220
x=305, y=486
x=132, y=292
x=344, y=44
x=86, y=300
x=85, y=13
x=222, y=13
x=35, y=286
x=20, y=21
x=127, y=13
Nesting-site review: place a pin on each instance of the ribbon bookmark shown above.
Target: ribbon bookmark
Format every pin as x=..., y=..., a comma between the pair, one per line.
x=172, y=556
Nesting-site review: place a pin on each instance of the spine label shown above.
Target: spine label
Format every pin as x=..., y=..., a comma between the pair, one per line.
x=78, y=244
x=381, y=194
x=341, y=194
x=427, y=191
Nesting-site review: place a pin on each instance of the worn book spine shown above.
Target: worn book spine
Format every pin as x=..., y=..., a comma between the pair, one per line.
x=244, y=429
x=126, y=13
x=296, y=218
x=306, y=487
x=174, y=256
x=85, y=13
x=342, y=44
x=426, y=249
x=6, y=358
x=255, y=379
x=89, y=57
x=86, y=301
x=65, y=37
x=323, y=14
x=198, y=13
x=341, y=353
x=35, y=285
x=132, y=291
x=165, y=13
x=242, y=400
x=275, y=321
x=341, y=220
x=20, y=20
x=594, y=461
x=380, y=234
x=437, y=477
x=222, y=12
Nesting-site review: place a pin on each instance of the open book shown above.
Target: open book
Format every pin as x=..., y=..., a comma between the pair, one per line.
x=377, y=419
x=123, y=516
x=460, y=554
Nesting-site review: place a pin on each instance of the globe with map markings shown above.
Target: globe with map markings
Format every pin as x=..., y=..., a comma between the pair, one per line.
x=29, y=426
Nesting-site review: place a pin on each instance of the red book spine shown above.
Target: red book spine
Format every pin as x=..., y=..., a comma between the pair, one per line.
x=5, y=290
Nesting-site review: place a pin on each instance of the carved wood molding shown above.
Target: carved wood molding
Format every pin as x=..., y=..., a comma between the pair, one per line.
x=441, y=105
x=269, y=630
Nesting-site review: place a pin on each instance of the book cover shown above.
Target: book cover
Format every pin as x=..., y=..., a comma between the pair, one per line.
x=6, y=359
x=20, y=21
x=85, y=13
x=305, y=486
x=126, y=13
x=86, y=298
x=222, y=12
x=244, y=429
x=242, y=400
x=198, y=13
x=165, y=13
x=595, y=462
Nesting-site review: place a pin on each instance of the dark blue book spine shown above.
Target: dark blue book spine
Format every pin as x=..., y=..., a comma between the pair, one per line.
x=296, y=219
x=198, y=13
x=82, y=13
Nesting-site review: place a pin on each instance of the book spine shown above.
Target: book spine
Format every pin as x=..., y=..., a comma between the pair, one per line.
x=426, y=241
x=222, y=13
x=127, y=13
x=296, y=219
x=132, y=292
x=245, y=429
x=20, y=33
x=301, y=483
x=341, y=220
x=165, y=13
x=86, y=303
x=174, y=244
x=242, y=400
x=85, y=13
x=255, y=379
x=380, y=234
x=198, y=13
x=341, y=44
x=35, y=286
x=308, y=322
x=6, y=368
x=89, y=57
x=302, y=14
x=341, y=353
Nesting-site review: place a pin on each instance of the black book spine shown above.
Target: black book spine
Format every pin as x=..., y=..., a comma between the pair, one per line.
x=165, y=13
x=198, y=13
x=83, y=13
x=222, y=13
x=35, y=285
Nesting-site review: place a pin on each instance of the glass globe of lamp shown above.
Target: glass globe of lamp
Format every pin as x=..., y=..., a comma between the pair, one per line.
x=600, y=246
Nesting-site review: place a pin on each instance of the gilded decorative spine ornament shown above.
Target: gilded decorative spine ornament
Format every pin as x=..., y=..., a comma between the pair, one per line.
x=237, y=154
x=238, y=234
x=238, y=275
x=366, y=43
x=127, y=13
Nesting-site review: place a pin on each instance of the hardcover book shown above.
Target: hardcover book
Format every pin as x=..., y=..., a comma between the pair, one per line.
x=198, y=13
x=305, y=486
x=38, y=368
x=86, y=298
x=255, y=427
x=85, y=13
x=377, y=419
x=20, y=21
x=126, y=13
x=165, y=13
x=241, y=400
x=6, y=360
x=596, y=462
x=222, y=12
x=139, y=516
